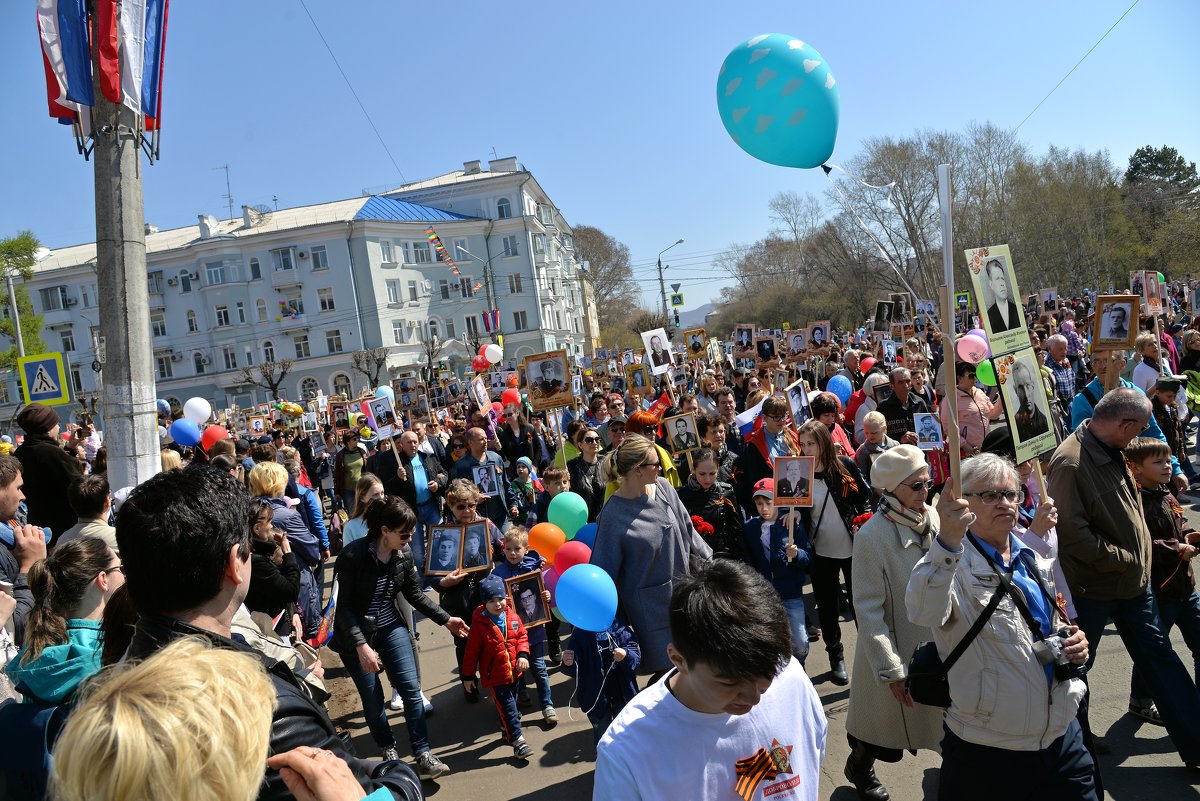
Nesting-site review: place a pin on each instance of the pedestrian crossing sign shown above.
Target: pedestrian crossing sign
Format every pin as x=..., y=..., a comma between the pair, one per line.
x=43, y=379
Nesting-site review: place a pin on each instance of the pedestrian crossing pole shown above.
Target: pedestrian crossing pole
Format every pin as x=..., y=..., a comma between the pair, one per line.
x=952, y=436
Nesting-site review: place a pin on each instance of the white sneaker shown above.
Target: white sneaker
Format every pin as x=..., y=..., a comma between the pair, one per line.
x=397, y=703
x=428, y=704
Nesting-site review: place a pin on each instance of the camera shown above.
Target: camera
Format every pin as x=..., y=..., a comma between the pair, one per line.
x=1049, y=651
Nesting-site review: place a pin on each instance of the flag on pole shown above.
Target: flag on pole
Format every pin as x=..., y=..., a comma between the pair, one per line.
x=745, y=420
x=491, y=320
x=325, y=629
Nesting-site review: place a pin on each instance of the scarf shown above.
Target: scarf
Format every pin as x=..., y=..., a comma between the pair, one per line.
x=898, y=513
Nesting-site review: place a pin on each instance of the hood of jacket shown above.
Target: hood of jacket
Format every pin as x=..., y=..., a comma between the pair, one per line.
x=60, y=669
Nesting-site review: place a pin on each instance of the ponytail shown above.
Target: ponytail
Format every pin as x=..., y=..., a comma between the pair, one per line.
x=58, y=584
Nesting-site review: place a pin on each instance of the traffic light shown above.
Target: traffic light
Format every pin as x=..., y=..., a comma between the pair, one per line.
x=676, y=318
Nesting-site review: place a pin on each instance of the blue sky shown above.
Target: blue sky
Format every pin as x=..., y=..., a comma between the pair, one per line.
x=612, y=106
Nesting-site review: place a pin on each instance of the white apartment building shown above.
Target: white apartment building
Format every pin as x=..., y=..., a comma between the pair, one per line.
x=316, y=283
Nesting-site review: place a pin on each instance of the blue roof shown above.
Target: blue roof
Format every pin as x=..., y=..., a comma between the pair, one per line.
x=383, y=208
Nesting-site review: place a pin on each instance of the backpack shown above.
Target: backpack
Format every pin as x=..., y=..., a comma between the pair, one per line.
x=30, y=731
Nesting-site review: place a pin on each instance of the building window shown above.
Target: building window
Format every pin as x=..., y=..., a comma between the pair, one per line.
x=393, y=291
x=472, y=325
x=165, y=370
x=191, y=322
x=503, y=208
x=185, y=281
x=341, y=384
x=283, y=259
x=222, y=316
x=558, y=320
x=460, y=250
x=412, y=290
x=300, y=341
x=249, y=357
x=385, y=251
x=76, y=380
x=398, y=331
x=333, y=341
x=198, y=361
x=466, y=286
x=295, y=301
x=54, y=298
x=255, y=270
x=433, y=330
x=89, y=296
x=510, y=246
x=158, y=324
x=241, y=313
x=520, y=321
x=230, y=356
x=514, y=284
x=405, y=252
x=422, y=253
x=320, y=258
x=153, y=285
x=309, y=387
x=444, y=289
x=539, y=243
x=260, y=310
x=216, y=272
x=450, y=328
x=544, y=214
x=325, y=298
x=268, y=351
x=68, y=339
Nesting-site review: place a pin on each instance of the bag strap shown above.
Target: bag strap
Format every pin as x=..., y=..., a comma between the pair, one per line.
x=1034, y=625
x=976, y=627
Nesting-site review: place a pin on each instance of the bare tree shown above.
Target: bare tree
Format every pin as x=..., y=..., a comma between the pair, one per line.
x=794, y=215
x=609, y=271
x=267, y=375
x=371, y=362
x=432, y=346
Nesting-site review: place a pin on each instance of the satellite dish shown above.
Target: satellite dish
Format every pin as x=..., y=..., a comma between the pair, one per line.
x=259, y=214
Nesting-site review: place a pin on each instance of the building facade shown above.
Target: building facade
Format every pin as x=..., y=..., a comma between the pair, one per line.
x=316, y=283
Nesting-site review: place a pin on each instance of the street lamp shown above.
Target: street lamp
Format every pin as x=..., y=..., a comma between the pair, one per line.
x=662, y=286
x=487, y=279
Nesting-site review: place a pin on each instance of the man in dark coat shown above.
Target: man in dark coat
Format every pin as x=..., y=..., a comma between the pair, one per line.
x=48, y=470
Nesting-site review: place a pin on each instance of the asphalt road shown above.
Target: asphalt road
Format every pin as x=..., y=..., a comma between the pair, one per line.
x=1143, y=763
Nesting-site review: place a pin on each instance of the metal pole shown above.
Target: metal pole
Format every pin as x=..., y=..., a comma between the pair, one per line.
x=130, y=414
x=12, y=302
x=662, y=287
x=944, y=200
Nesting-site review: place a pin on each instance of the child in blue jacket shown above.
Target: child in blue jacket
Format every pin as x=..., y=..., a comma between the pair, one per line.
x=781, y=559
x=605, y=664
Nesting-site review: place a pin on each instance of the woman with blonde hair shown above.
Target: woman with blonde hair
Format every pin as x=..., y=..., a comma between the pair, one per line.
x=645, y=541
x=267, y=481
x=170, y=459
x=369, y=488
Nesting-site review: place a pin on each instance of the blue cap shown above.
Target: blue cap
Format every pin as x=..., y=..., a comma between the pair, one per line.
x=492, y=587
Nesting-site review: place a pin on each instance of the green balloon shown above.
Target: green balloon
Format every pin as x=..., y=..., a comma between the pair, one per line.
x=1162, y=279
x=568, y=511
x=986, y=373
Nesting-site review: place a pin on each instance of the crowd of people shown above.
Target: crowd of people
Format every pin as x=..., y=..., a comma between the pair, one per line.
x=198, y=599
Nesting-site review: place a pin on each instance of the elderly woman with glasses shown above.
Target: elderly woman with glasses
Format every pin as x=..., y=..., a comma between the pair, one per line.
x=584, y=471
x=645, y=542
x=1017, y=687
x=882, y=722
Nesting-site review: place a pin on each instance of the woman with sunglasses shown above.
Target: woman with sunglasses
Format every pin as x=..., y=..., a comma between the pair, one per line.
x=975, y=410
x=455, y=450
x=584, y=471
x=370, y=634
x=883, y=721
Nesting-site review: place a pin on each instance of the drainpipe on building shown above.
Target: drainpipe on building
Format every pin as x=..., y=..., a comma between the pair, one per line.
x=362, y=343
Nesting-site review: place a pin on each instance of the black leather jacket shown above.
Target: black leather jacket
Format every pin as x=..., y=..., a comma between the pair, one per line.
x=297, y=720
x=357, y=570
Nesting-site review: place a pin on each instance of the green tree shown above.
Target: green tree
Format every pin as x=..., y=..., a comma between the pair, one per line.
x=1162, y=201
x=17, y=257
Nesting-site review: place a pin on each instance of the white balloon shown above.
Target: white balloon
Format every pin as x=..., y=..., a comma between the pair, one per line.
x=493, y=353
x=198, y=410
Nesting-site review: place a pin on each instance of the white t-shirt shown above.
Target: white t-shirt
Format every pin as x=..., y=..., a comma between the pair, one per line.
x=658, y=748
x=829, y=536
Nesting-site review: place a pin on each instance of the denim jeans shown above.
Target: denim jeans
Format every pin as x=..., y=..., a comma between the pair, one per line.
x=1061, y=771
x=428, y=514
x=1166, y=679
x=395, y=649
x=1186, y=615
x=541, y=676
x=795, y=615
x=505, y=696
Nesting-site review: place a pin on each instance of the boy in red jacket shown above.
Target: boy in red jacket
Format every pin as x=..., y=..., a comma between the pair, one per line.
x=498, y=647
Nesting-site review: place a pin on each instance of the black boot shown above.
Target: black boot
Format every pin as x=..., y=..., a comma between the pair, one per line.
x=837, y=667
x=860, y=770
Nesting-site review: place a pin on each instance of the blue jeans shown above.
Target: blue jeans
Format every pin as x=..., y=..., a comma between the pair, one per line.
x=428, y=514
x=1186, y=615
x=1166, y=679
x=395, y=649
x=505, y=696
x=1059, y=772
x=541, y=676
x=795, y=614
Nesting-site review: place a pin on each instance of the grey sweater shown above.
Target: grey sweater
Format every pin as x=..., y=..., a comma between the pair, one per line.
x=644, y=544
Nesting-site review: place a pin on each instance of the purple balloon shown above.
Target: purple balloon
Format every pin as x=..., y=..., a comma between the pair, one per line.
x=979, y=332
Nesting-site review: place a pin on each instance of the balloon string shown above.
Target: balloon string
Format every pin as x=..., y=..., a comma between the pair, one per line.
x=828, y=168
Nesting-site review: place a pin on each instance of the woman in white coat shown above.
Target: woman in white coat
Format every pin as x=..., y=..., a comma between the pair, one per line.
x=883, y=721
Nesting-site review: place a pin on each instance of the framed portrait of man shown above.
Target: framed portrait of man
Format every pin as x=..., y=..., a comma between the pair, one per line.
x=526, y=597
x=797, y=395
x=599, y=368
x=258, y=424
x=309, y=423
x=780, y=380
x=549, y=379
x=445, y=543
x=476, y=548
x=383, y=415
x=486, y=479
x=658, y=350
x=994, y=280
x=743, y=340
x=1115, y=324
x=1049, y=298
x=1026, y=406
x=902, y=309
x=1151, y=293
x=682, y=434
x=794, y=480
x=339, y=414
x=883, y=316
x=637, y=378
x=694, y=343
x=577, y=385
x=929, y=431
x=795, y=344
x=766, y=351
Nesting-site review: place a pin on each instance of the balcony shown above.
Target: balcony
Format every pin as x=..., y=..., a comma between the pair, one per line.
x=290, y=323
x=286, y=278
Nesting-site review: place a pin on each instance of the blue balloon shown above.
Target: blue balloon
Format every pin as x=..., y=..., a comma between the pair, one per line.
x=384, y=391
x=185, y=432
x=779, y=101
x=587, y=598
x=840, y=385
x=586, y=535
x=163, y=407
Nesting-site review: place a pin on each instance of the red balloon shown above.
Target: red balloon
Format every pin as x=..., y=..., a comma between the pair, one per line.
x=569, y=554
x=497, y=407
x=511, y=396
x=480, y=363
x=482, y=348
x=866, y=364
x=213, y=435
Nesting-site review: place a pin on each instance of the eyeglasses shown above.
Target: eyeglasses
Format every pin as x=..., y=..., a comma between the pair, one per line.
x=592, y=440
x=454, y=445
x=655, y=465
x=920, y=486
x=466, y=505
x=992, y=497
x=778, y=418
x=117, y=569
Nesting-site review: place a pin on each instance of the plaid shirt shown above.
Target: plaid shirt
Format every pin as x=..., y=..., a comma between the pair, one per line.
x=1064, y=379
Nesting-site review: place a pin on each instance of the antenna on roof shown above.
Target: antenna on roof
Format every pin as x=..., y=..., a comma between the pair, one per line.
x=275, y=198
x=495, y=155
x=228, y=192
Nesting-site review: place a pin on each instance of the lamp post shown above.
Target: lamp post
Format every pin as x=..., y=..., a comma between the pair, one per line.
x=487, y=281
x=662, y=286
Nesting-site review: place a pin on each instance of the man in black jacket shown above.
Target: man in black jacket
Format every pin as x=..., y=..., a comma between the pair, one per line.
x=48, y=470
x=185, y=551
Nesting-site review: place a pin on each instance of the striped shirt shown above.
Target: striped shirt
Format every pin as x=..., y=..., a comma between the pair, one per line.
x=383, y=606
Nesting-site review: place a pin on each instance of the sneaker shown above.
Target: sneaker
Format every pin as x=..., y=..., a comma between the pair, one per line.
x=428, y=704
x=549, y=717
x=1148, y=713
x=430, y=767
x=522, y=749
x=554, y=652
x=814, y=634
x=390, y=754
x=397, y=703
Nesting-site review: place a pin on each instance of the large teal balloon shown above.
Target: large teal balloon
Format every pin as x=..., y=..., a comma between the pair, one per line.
x=779, y=101
x=587, y=597
x=568, y=511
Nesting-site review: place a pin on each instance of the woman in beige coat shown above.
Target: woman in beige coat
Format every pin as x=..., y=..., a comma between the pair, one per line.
x=883, y=721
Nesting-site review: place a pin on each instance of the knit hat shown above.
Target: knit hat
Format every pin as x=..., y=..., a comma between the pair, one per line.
x=765, y=488
x=492, y=587
x=896, y=464
x=525, y=460
x=37, y=418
